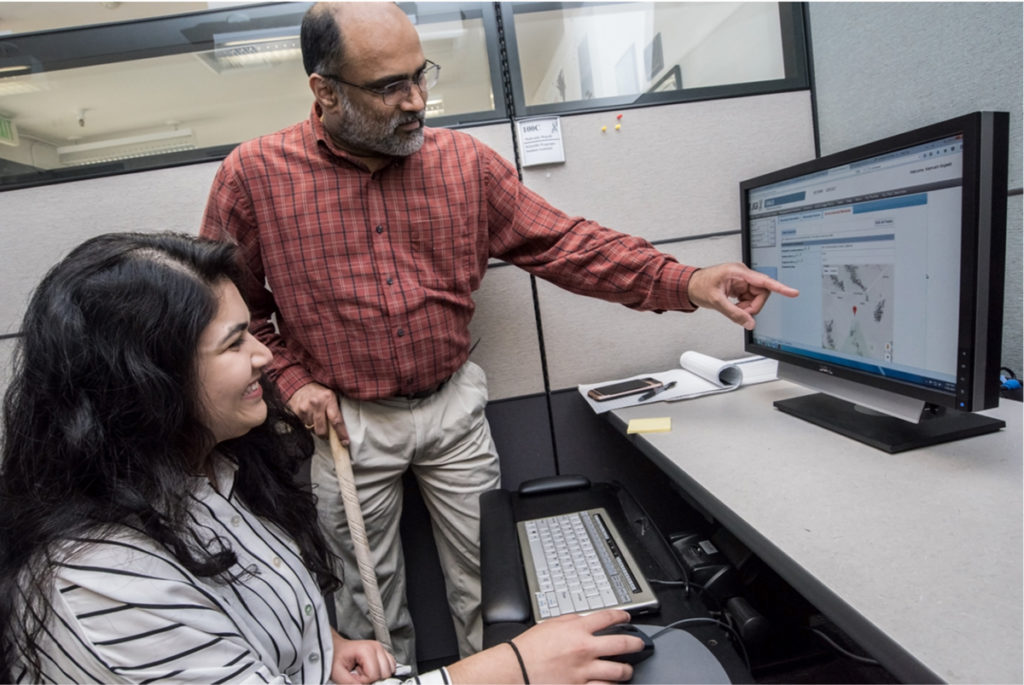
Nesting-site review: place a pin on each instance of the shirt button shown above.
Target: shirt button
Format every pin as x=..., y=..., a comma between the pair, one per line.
x=401, y=332
x=379, y=229
x=308, y=609
x=390, y=280
x=314, y=657
x=236, y=519
x=276, y=561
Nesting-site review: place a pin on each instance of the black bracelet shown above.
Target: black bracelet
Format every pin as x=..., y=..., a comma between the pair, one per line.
x=519, y=658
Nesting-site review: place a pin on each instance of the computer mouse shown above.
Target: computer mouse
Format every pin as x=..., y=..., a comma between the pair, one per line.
x=629, y=629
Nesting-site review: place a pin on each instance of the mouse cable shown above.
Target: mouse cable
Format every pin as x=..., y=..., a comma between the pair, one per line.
x=698, y=592
x=848, y=654
x=673, y=583
x=722, y=624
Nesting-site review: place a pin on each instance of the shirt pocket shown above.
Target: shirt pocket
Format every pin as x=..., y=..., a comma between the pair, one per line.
x=444, y=251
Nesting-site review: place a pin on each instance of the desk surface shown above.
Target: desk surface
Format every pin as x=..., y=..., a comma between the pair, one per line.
x=917, y=555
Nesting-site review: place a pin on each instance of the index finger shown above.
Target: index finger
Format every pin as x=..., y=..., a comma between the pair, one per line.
x=604, y=618
x=387, y=664
x=334, y=417
x=770, y=283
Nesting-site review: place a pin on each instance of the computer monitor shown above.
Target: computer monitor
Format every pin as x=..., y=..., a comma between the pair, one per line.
x=897, y=248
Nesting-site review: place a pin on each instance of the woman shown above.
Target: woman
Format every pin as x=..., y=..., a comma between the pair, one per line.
x=150, y=525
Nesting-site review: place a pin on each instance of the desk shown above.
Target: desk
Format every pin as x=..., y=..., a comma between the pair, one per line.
x=917, y=556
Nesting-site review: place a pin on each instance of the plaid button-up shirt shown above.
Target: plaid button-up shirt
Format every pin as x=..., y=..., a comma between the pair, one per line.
x=369, y=276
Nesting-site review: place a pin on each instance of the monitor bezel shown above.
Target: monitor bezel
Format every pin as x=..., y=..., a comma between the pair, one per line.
x=982, y=256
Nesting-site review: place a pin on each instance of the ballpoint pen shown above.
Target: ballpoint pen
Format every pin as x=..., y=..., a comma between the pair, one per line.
x=651, y=393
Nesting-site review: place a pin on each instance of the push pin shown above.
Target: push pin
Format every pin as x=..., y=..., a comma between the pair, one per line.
x=618, y=126
x=603, y=129
x=619, y=116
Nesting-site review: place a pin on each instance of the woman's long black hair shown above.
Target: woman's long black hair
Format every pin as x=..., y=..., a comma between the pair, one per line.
x=102, y=422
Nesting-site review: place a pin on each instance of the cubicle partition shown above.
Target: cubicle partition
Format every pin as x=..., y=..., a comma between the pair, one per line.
x=670, y=174
x=40, y=225
x=885, y=67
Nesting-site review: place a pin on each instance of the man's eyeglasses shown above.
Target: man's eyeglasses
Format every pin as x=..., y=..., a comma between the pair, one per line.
x=397, y=91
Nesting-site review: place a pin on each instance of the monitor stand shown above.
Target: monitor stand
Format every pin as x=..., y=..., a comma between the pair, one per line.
x=937, y=425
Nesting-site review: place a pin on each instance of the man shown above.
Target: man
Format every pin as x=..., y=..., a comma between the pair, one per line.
x=371, y=233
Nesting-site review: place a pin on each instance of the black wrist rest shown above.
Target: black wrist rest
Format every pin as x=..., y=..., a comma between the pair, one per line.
x=504, y=596
x=548, y=484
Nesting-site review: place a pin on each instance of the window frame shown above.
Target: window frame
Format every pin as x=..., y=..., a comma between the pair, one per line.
x=175, y=34
x=792, y=25
x=471, y=10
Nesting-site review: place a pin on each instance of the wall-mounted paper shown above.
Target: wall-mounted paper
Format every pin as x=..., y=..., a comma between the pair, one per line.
x=540, y=141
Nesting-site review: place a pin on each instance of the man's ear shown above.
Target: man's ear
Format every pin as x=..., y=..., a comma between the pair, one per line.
x=323, y=91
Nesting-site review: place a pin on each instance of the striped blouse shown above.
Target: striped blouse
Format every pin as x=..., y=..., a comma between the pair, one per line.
x=125, y=610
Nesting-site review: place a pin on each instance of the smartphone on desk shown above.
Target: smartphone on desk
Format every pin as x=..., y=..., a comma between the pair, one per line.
x=623, y=388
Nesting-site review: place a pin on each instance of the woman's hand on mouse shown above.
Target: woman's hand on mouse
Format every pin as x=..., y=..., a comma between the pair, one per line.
x=565, y=649
x=559, y=650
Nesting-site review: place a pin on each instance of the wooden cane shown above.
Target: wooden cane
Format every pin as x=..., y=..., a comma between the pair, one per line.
x=354, y=516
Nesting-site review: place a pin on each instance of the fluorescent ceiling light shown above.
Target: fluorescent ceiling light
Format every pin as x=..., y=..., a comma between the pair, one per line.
x=242, y=49
x=435, y=108
x=127, y=147
x=13, y=63
x=16, y=72
x=436, y=32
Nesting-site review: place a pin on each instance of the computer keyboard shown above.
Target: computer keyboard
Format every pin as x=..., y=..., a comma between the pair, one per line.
x=577, y=563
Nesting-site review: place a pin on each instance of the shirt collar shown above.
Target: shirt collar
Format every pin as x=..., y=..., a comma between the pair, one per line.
x=224, y=470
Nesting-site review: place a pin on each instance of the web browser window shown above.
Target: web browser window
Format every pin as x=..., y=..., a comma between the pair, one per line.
x=856, y=239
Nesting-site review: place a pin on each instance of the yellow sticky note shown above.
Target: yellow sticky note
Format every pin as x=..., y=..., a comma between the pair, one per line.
x=659, y=425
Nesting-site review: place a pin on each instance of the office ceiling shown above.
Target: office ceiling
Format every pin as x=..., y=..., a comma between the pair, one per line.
x=144, y=96
x=28, y=17
x=122, y=99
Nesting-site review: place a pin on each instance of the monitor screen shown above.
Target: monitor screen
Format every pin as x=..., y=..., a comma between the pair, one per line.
x=897, y=250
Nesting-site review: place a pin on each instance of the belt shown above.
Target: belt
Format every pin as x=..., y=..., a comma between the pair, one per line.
x=424, y=394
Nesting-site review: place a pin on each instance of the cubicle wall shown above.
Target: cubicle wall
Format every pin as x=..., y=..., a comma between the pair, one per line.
x=669, y=174
x=881, y=68
x=39, y=225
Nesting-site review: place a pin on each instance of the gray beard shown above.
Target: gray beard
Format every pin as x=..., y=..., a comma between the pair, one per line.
x=360, y=132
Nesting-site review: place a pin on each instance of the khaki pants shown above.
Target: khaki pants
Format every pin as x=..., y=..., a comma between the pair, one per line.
x=446, y=442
